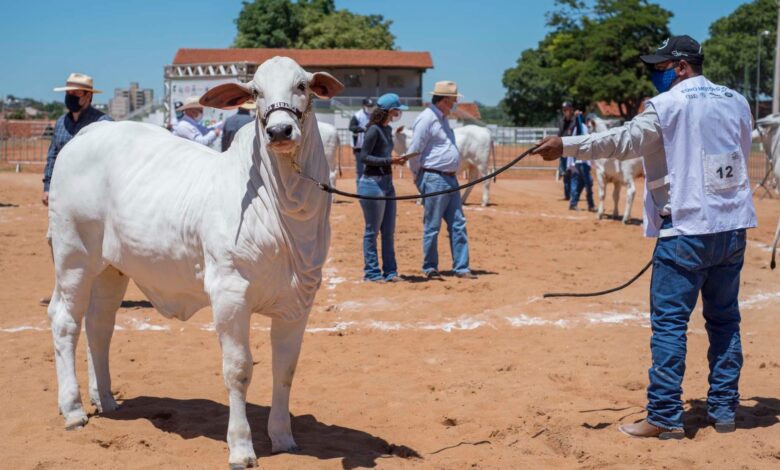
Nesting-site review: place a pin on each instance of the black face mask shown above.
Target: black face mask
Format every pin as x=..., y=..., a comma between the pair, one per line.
x=72, y=103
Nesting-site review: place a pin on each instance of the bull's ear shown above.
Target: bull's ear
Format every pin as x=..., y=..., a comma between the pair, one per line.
x=324, y=85
x=399, y=129
x=226, y=96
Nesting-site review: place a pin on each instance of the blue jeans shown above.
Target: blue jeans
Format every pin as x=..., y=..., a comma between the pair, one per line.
x=581, y=178
x=359, y=166
x=683, y=266
x=566, y=178
x=380, y=218
x=450, y=208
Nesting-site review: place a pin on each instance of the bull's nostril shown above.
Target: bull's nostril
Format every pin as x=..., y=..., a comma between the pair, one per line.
x=279, y=132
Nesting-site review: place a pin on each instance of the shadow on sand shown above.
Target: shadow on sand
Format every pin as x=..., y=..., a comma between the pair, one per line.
x=754, y=412
x=136, y=304
x=205, y=418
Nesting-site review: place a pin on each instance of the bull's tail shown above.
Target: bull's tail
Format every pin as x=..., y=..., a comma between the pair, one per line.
x=773, y=264
x=493, y=155
x=338, y=155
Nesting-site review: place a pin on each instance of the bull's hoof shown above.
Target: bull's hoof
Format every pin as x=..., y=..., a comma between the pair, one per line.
x=106, y=405
x=249, y=461
x=284, y=445
x=625, y=221
x=75, y=420
x=290, y=450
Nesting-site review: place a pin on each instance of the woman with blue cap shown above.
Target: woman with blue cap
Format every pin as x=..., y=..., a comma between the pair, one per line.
x=377, y=180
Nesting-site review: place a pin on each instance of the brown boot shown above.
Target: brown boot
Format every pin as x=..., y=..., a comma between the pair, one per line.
x=645, y=429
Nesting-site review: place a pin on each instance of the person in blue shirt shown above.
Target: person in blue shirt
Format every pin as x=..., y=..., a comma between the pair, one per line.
x=236, y=122
x=78, y=99
x=377, y=180
x=434, y=171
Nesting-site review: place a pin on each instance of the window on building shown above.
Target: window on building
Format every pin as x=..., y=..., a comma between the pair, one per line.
x=395, y=81
x=353, y=80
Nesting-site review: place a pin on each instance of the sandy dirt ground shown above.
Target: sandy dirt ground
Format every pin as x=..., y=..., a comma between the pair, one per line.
x=440, y=374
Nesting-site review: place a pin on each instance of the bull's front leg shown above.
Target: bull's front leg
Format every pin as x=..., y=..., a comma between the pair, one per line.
x=630, y=192
x=602, y=186
x=232, y=325
x=286, y=338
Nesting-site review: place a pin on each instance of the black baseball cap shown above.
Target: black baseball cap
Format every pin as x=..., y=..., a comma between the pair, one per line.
x=676, y=48
x=567, y=104
x=368, y=102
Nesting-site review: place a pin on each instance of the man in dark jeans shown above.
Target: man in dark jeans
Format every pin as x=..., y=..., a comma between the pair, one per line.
x=358, y=125
x=566, y=129
x=580, y=171
x=78, y=100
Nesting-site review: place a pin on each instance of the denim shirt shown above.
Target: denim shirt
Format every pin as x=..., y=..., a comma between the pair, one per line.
x=434, y=139
x=64, y=130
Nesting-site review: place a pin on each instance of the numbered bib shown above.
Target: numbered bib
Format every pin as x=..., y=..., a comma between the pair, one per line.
x=724, y=171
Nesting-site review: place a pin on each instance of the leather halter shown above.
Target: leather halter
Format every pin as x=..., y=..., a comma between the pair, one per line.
x=279, y=106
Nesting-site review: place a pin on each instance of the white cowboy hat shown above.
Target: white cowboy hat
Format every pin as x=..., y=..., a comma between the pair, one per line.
x=78, y=81
x=446, y=88
x=191, y=102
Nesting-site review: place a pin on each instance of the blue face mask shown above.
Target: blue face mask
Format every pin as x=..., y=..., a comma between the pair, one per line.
x=662, y=79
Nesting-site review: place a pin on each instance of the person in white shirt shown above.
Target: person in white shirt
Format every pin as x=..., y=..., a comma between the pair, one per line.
x=189, y=126
x=695, y=137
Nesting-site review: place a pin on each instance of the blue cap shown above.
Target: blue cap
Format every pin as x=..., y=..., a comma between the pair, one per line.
x=390, y=101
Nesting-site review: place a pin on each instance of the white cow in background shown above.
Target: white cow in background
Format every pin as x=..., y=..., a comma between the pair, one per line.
x=768, y=131
x=330, y=142
x=245, y=234
x=612, y=170
x=475, y=144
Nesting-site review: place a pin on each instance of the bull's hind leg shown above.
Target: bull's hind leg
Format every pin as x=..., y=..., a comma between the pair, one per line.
x=286, y=338
x=67, y=309
x=108, y=289
x=471, y=175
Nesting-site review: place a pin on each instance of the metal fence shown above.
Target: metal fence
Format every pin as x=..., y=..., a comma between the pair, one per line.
x=27, y=142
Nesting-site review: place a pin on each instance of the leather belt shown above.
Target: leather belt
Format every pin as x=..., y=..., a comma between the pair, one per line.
x=438, y=172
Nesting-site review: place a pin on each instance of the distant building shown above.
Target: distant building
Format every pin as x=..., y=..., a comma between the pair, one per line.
x=129, y=100
x=365, y=73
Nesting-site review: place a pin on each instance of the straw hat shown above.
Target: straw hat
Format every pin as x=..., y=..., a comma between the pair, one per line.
x=78, y=81
x=191, y=102
x=446, y=88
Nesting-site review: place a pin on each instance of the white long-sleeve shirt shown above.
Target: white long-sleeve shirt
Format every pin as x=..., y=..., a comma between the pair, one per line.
x=640, y=137
x=189, y=129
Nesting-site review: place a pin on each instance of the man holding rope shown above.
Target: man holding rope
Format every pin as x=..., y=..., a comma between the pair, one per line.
x=695, y=138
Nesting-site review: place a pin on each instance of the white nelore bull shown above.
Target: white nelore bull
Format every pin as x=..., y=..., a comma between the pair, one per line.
x=768, y=131
x=330, y=143
x=241, y=231
x=475, y=144
x=612, y=170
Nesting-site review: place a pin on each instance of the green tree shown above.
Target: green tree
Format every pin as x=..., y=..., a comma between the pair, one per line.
x=533, y=91
x=731, y=52
x=346, y=30
x=309, y=24
x=591, y=54
x=268, y=23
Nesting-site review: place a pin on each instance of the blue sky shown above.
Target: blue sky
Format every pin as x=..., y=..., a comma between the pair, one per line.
x=472, y=42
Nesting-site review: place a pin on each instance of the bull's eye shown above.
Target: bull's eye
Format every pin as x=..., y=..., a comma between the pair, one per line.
x=302, y=86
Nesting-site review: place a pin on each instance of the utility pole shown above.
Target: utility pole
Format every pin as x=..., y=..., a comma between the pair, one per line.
x=776, y=87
